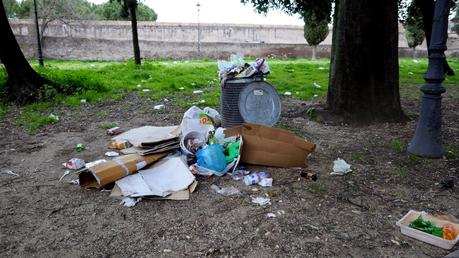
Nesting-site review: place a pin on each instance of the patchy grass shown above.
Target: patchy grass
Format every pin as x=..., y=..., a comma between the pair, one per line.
x=106, y=126
x=4, y=109
x=451, y=151
x=317, y=187
x=359, y=157
x=33, y=120
x=98, y=81
x=398, y=146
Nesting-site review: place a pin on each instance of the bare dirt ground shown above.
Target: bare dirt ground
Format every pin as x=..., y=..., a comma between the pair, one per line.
x=348, y=216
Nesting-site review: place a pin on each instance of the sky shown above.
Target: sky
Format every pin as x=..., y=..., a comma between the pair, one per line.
x=214, y=11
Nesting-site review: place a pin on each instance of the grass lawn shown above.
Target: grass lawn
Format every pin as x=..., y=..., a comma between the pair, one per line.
x=95, y=81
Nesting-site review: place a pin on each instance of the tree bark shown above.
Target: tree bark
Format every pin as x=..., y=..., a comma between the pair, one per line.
x=23, y=84
x=314, y=53
x=135, y=38
x=364, y=71
x=414, y=52
x=427, y=9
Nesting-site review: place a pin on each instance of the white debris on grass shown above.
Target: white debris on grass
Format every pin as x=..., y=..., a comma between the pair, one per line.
x=139, y=85
x=197, y=91
x=146, y=90
x=83, y=100
x=181, y=88
x=158, y=107
x=54, y=117
x=316, y=85
x=287, y=93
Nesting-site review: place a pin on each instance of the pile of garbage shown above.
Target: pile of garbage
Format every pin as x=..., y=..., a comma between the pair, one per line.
x=162, y=162
x=236, y=67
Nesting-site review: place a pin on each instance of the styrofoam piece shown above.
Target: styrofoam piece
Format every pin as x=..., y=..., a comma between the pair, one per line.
x=425, y=237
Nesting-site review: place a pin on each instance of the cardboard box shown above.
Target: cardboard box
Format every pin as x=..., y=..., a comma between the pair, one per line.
x=271, y=146
x=168, y=179
x=108, y=172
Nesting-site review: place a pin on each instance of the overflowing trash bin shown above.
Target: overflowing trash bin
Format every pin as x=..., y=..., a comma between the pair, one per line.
x=245, y=95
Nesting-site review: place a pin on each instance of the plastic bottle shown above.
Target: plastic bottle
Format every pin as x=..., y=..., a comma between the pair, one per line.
x=255, y=177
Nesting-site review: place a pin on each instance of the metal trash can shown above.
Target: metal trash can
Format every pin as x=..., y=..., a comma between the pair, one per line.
x=266, y=111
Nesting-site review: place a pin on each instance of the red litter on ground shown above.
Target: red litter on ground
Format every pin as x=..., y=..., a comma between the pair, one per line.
x=114, y=131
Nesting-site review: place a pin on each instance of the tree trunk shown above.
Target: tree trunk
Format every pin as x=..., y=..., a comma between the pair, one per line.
x=364, y=71
x=314, y=52
x=135, y=38
x=23, y=84
x=427, y=9
x=414, y=52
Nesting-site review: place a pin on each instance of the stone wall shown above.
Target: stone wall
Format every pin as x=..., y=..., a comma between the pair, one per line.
x=111, y=40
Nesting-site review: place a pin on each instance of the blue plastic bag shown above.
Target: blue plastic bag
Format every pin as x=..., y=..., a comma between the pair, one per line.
x=212, y=157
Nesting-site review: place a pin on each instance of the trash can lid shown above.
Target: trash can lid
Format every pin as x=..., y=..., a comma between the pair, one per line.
x=259, y=103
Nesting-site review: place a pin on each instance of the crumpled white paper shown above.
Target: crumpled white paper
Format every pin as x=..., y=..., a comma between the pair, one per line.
x=262, y=201
x=340, y=167
x=129, y=201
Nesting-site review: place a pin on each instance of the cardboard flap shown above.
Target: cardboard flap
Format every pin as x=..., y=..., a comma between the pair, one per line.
x=271, y=146
x=110, y=171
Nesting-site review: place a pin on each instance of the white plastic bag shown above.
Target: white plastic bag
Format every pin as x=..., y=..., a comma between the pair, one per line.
x=195, y=120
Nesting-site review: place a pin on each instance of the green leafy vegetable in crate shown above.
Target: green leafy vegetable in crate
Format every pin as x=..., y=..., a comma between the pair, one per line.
x=426, y=226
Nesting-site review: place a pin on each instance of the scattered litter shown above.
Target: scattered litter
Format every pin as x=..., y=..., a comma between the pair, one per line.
x=9, y=172
x=321, y=68
x=271, y=215
x=79, y=147
x=287, y=93
x=138, y=85
x=130, y=202
x=256, y=177
x=92, y=65
x=169, y=179
x=166, y=100
x=146, y=90
x=193, y=84
x=108, y=172
x=75, y=182
x=114, y=131
x=280, y=212
x=181, y=88
x=415, y=61
x=158, y=107
x=94, y=163
x=226, y=191
x=254, y=189
x=202, y=101
x=266, y=182
x=436, y=230
x=237, y=67
x=197, y=91
x=112, y=154
x=262, y=201
x=83, y=100
x=315, y=96
x=271, y=146
x=410, y=73
x=119, y=145
x=54, y=117
x=75, y=163
x=340, y=167
x=309, y=176
x=105, y=190
x=167, y=250
x=239, y=174
x=316, y=85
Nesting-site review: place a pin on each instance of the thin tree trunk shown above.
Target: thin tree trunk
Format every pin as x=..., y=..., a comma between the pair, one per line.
x=364, y=74
x=314, y=52
x=135, y=38
x=23, y=84
x=414, y=52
